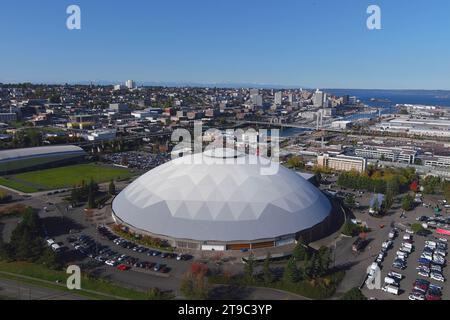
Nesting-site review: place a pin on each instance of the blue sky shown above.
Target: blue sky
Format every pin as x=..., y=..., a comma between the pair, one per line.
x=310, y=43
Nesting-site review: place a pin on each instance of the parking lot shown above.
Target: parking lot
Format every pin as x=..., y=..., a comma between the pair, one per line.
x=65, y=227
x=414, y=286
x=137, y=160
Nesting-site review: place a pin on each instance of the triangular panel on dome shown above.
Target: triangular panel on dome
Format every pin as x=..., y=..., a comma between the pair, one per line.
x=204, y=214
x=173, y=205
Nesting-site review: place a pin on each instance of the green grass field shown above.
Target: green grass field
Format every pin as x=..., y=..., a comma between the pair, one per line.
x=63, y=177
x=17, y=186
x=101, y=287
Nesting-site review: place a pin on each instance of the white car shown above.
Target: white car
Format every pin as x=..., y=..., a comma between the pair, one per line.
x=409, y=231
x=415, y=296
x=395, y=275
x=437, y=277
x=423, y=274
x=110, y=263
x=442, y=253
x=436, y=268
x=122, y=257
x=424, y=269
x=406, y=249
x=443, y=240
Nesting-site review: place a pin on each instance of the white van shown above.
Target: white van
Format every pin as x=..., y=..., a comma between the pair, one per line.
x=390, y=289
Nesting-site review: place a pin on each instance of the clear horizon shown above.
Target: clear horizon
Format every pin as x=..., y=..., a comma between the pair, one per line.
x=291, y=44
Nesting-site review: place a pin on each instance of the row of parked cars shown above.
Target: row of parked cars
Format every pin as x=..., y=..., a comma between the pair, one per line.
x=430, y=265
x=103, y=254
x=434, y=222
x=105, y=232
x=432, y=260
x=424, y=290
x=393, y=278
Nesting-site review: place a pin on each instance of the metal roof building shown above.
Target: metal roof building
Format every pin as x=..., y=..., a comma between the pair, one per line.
x=16, y=160
x=211, y=202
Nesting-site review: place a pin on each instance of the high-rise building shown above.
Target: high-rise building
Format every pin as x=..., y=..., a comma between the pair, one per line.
x=278, y=98
x=257, y=100
x=291, y=98
x=254, y=92
x=130, y=84
x=318, y=99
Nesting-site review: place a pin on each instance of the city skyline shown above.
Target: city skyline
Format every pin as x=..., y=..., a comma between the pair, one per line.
x=305, y=44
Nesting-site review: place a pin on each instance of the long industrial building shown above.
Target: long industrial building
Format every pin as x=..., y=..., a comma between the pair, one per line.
x=17, y=160
x=204, y=202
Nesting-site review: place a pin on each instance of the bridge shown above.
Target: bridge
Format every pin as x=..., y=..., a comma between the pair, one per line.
x=305, y=127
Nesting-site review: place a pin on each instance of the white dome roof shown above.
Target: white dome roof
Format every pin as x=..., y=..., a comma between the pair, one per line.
x=189, y=199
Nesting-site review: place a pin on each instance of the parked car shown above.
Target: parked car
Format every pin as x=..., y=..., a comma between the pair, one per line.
x=123, y=267
x=391, y=289
x=157, y=267
x=416, y=296
x=437, y=276
x=395, y=275
x=423, y=273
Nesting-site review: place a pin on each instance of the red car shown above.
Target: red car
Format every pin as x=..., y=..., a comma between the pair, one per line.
x=123, y=267
x=432, y=297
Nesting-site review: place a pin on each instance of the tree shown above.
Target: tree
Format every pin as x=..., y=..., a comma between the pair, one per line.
x=354, y=294
x=249, y=268
x=324, y=256
x=92, y=190
x=349, y=200
x=393, y=187
x=267, y=273
x=300, y=253
x=349, y=229
x=112, y=188
x=194, y=287
x=295, y=162
x=50, y=259
x=290, y=274
x=407, y=202
x=27, y=244
x=418, y=228
x=446, y=191
x=430, y=184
